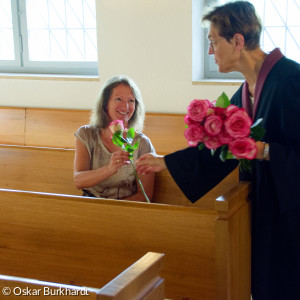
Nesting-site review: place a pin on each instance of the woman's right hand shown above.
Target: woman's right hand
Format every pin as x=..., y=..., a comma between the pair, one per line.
x=118, y=159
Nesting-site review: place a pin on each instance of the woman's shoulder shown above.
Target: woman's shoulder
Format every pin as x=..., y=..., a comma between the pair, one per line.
x=145, y=143
x=87, y=131
x=140, y=135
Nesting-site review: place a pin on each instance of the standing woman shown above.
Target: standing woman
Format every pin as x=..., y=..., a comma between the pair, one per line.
x=101, y=169
x=271, y=91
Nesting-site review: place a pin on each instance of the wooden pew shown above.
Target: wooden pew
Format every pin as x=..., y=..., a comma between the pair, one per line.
x=51, y=171
x=12, y=126
x=55, y=128
x=74, y=240
x=139, y=281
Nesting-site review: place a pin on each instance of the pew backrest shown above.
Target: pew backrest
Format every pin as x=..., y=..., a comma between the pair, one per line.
x=55, y=128
x=51, y=171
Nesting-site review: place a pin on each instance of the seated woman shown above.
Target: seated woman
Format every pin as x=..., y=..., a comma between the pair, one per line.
x=101, y=169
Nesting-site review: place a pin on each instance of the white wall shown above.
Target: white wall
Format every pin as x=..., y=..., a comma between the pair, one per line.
x=149, y=40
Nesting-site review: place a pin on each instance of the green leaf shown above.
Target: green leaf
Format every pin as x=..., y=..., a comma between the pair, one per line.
x=129, y=148
x=257, y=131
x=223, y=101
x=212, y=151
x=135, y=146
x=224, y=152
x=116, y=140
x=201, y=146
x=130, y=133
x=245, y=165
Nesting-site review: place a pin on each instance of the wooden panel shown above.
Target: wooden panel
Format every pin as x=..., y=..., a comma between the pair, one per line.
x=37, y=169
x=73, y=240
x=12, y=125
x=165, y=132
x=53, y=127
x=166, y=191
x=233, y=256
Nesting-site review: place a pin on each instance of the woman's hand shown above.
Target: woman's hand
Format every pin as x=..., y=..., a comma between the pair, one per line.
x=150, y=163
x=261, y=151
x=118, y=159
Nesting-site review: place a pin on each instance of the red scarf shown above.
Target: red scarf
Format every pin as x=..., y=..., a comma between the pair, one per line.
x=266, y=67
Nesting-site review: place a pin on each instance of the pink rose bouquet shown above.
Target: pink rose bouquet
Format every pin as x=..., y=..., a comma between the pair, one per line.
x=221, y=124
x=125, y=143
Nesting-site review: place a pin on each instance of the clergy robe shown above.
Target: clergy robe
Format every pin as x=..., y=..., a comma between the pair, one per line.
x=276, y=183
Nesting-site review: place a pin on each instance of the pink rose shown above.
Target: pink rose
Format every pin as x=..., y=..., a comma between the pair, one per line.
x=189, y=121
x=238, y=124
x=197, y=109
x=220, y=111
x=243, y=148
x=194, y=134
x=224, y=137
x=213, y=125
x=116, y=125
x=212, y=142
x=231, y=109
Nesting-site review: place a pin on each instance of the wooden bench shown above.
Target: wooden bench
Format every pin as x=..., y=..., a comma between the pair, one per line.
x=139, y=281
x=56, y=127
x=74, y=240
x=51, y=171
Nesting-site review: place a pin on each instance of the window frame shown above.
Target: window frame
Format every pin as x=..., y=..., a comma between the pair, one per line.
x=22, y=64
x=201, y=59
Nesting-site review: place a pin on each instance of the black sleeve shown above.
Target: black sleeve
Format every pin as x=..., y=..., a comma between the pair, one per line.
x=196, y=171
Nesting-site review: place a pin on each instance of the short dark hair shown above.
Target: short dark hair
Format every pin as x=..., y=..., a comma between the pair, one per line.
x=237, y=17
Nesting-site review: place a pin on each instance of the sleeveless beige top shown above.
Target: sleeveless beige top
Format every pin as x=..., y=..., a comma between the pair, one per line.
x=123, y=183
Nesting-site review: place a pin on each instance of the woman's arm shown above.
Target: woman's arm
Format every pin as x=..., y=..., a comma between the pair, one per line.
x=85, y=177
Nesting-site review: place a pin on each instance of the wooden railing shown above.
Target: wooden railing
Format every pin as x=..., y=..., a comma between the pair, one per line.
x=139, y=281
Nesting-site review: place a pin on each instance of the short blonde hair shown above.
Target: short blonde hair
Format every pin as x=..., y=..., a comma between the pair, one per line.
x=99, y=117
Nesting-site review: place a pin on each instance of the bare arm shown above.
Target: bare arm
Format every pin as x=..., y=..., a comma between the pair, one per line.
x=85, y=177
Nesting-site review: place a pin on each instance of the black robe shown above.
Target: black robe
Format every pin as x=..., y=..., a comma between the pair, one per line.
x=276, y=184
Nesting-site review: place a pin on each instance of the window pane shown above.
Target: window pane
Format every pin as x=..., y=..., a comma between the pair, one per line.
x=61, y=30
x=7, y=51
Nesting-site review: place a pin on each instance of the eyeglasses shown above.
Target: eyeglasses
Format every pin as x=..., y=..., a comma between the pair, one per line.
x=212, y=44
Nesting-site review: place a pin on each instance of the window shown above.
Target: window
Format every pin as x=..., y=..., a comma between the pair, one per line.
x=281, y=28
x=48, y=36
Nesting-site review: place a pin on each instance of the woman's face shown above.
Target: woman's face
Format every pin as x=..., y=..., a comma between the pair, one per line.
x=226, y=54
x=121, y=104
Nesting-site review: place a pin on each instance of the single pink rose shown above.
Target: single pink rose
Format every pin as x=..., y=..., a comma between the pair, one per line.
x=189, y=121
x=224, y=137
x=213, y=125
x=220, y=111
x=212, y=142
x=238, y=124
x=197, y=109
x=229, y=110
x=194, y=134
x=243, y=148
x=116, y=125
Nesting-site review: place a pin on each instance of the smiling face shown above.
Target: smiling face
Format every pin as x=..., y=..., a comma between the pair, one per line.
x=121, y=104
x=226, y=53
